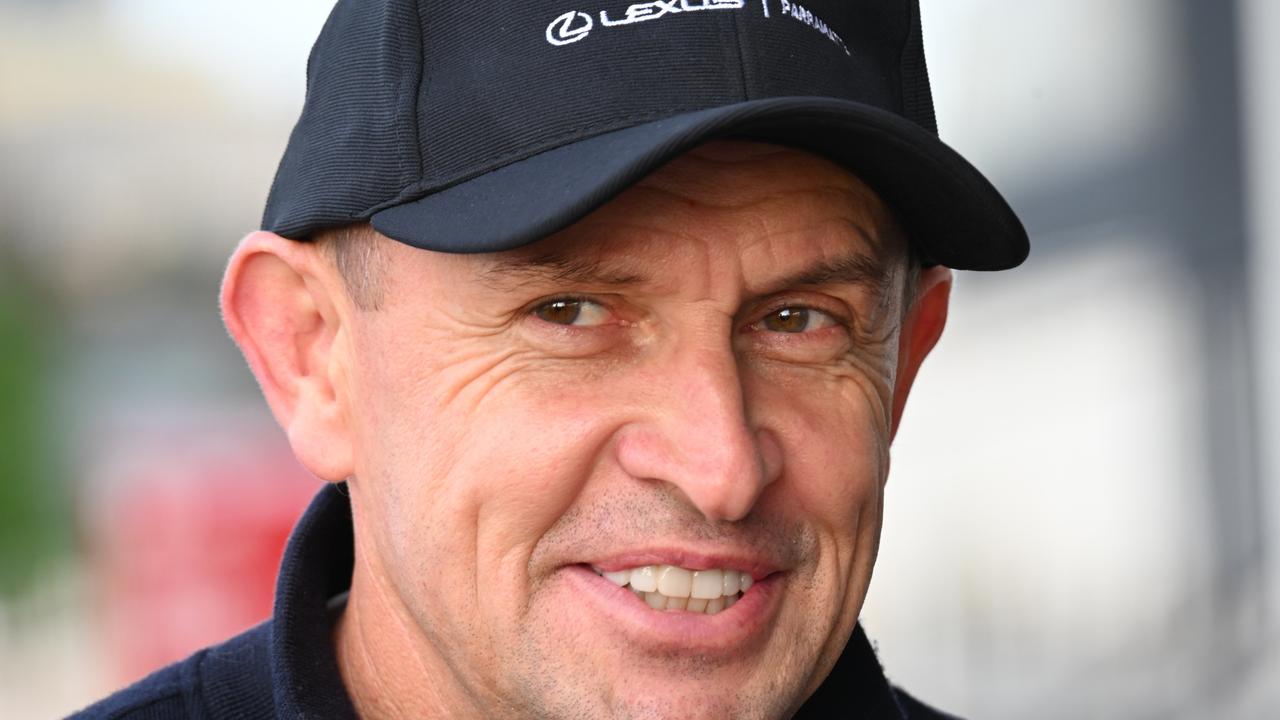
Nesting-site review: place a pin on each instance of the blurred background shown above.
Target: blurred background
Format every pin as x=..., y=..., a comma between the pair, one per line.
x=1083, y=511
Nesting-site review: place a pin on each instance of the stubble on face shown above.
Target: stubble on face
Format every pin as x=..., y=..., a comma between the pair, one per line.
x=499, y=454
x=589, y=529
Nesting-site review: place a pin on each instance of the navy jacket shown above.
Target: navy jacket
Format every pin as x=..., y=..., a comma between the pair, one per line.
x=285, y=667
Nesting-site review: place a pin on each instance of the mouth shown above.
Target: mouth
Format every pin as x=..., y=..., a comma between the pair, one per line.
x=675, y=602
x=670, y=587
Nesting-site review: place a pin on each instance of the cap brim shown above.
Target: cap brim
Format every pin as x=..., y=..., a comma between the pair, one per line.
x=947, y=207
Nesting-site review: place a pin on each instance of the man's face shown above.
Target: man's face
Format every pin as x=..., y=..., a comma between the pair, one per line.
x=700, y=375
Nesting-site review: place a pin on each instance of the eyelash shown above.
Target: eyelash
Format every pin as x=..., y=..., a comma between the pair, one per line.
x=840, y=318
x=531, y=311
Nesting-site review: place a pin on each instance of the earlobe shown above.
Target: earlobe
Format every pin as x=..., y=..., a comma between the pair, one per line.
x=277, y=302
x=921, y=329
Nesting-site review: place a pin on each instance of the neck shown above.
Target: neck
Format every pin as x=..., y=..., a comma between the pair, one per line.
x=385, y=666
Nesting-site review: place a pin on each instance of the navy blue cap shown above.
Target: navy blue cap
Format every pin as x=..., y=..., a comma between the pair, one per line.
x=484, y=126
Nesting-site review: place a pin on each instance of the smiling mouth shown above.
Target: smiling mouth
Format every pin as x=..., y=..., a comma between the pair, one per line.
x=668, y=587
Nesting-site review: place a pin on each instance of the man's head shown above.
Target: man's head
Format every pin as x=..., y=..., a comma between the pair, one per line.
x=614, y=394
x=704, y=373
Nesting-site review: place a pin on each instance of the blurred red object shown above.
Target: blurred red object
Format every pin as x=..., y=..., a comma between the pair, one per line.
x=186, y=545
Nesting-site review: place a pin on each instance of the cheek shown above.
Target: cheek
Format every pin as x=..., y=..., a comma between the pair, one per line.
x=530, y=450
x=477, y=451
x=834, y=433
x=835, y=448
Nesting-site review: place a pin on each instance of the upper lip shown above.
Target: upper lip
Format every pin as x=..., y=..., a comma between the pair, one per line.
x=759, y=566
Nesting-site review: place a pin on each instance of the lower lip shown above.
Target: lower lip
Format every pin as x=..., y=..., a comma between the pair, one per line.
x=679, y=630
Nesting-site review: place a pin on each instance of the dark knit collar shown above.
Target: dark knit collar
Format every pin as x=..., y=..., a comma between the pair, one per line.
x=317, y=567
x=856, y=687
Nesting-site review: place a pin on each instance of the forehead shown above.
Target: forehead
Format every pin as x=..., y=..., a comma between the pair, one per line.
x=730, y=172
x=733, y=199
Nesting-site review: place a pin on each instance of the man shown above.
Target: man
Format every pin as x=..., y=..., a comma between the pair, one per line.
x=600, y=321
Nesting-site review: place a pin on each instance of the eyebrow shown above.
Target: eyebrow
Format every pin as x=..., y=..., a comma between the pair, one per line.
x=555, y=267
x=855, y=268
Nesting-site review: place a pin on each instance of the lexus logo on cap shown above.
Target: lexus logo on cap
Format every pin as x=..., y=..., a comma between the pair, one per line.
x=574, y=26
x=569, y=28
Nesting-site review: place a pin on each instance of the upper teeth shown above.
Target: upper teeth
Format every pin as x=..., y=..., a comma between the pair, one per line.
x=678, y=582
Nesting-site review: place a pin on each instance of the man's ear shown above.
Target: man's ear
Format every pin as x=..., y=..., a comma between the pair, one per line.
x=279, y=303
x=921, y=329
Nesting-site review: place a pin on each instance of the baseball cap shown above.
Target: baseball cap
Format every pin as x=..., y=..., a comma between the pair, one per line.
x=484, y=126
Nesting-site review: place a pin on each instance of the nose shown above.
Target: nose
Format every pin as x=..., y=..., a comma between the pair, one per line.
x=697, y=435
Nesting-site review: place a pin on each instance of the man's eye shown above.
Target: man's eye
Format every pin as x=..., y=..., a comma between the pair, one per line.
x=797, y=320
x=572, y=311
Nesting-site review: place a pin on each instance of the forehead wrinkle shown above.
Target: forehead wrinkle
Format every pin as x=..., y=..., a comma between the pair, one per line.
x=647, y=229
x=864, y=264
x=855, y=268
x=715, y=194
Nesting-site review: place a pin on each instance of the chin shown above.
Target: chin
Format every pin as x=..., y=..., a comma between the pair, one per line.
x=678, y=698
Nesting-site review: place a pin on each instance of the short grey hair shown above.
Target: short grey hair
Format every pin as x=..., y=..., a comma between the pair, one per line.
x=357, y=253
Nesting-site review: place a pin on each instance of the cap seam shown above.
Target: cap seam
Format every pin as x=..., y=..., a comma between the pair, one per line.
x=394, y=84
x=915, y=27
x=420, y=90
x=902, y=55
x=742, y=57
